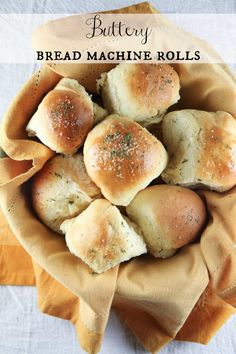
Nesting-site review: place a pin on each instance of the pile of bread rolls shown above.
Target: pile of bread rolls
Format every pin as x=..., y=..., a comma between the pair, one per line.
x=119, y=185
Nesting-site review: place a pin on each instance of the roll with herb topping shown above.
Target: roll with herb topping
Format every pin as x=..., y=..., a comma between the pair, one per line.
x=64, y=117
x=122, y=158
x=141, y=92
x=202, y=149
x=169, y=217
x=62, y=190
x=102, y=237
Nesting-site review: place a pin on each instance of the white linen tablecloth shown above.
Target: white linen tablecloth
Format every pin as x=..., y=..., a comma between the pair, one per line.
x=23, y=328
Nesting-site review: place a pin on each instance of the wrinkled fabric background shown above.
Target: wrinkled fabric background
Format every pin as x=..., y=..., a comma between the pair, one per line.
x=23, y=329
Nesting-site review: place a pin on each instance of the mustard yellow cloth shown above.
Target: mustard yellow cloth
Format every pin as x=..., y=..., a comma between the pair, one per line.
x=17, y=268
x=187, y=297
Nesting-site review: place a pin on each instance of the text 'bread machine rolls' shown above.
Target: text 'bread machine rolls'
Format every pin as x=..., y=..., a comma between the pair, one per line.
x=122, y=158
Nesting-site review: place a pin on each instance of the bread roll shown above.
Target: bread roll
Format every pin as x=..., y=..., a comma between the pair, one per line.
x=99, y=113
x=62, y=189
x=169, y=216
x=64, y=117
x=141, y=92
x=102, y=237
x=122, y=158
x=202, y=149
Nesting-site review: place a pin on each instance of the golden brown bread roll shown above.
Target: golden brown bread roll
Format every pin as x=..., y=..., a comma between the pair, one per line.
x=99, y=113
x=202, y=149
x=102, y=237
x=122, y=158
x=141, y=92
x=62, y=189
x=169, y=216
x=64, y=117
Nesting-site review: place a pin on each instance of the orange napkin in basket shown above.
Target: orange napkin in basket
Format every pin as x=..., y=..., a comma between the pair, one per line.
x=158, y=299
x=16, y=266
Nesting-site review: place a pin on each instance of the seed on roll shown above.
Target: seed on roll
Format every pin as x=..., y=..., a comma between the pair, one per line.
x=122, y=157
x=64, y=117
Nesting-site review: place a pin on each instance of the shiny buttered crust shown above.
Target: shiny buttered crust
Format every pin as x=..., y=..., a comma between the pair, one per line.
x=202, y=149
x=64, y=117
x=102, y=237
x=141, y=92
x=62, y=189
x=122, y=158
x=169, y=217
